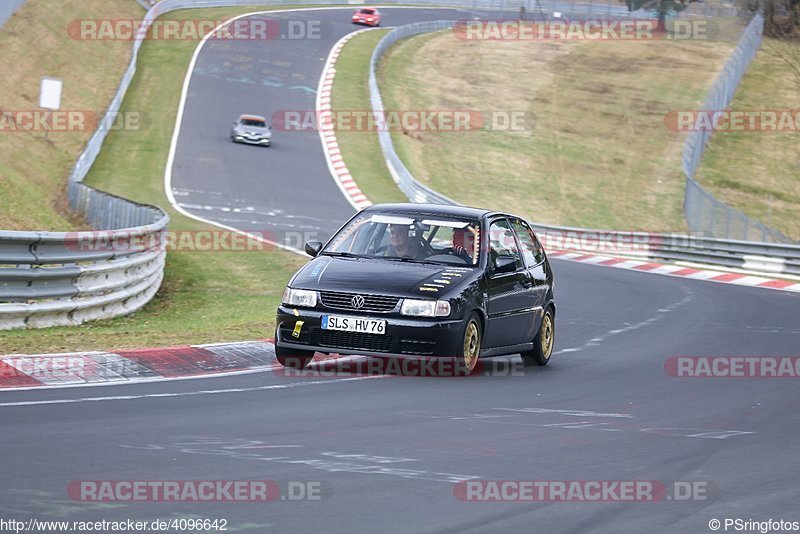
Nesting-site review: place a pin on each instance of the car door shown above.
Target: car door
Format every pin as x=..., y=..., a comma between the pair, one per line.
x=510, y=296
x=533, y=256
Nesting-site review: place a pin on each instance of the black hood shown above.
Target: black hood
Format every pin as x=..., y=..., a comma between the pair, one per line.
x=381, y=277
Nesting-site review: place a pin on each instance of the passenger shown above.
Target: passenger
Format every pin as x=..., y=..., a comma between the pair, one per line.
x=402, y=245
x=464, y=243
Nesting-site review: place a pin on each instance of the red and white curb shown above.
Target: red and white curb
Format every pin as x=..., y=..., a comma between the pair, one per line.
x=25, y=371
x=678, y=270
x=327, y=132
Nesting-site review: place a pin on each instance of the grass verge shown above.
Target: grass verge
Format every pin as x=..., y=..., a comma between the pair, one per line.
x=757, y=172
x=594, y=152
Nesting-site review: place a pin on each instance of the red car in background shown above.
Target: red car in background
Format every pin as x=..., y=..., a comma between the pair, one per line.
x=368, y=16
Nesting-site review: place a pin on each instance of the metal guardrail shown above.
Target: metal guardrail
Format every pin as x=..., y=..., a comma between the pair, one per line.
x=67, y=278
x=54, y=283
x=740, y=254
x=745, y=255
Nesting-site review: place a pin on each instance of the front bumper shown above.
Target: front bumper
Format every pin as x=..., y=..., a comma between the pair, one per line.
x=263, y=141
x=417, y=336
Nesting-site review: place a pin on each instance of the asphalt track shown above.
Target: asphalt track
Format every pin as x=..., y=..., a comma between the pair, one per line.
x=286, y=190
x=387, y=450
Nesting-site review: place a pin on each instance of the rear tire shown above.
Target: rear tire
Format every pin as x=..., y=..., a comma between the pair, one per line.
x=469, y=351
x=543, y=342
x=294, y=358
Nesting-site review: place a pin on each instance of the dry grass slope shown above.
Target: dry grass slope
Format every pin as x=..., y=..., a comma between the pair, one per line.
x=35, y=43
x=596, y=153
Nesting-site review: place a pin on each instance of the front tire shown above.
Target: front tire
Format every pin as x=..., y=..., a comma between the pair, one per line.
x=543, y=342
x=470, y=347
x=294, y=358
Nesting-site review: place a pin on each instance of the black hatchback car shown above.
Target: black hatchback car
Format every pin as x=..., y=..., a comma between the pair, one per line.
x=421, y=280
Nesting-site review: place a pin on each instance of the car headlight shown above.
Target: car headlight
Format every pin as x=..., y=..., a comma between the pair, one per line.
x=299, y=297
x=425, y=308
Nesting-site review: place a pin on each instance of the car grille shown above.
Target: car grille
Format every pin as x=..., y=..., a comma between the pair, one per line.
x=353, y=340
x=372, y=303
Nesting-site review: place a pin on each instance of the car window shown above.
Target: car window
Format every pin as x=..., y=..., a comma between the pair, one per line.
x=414, y=235
x=502, y=243
x=531, y=249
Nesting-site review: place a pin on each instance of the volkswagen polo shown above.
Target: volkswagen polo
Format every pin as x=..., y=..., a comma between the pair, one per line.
x=421, y=280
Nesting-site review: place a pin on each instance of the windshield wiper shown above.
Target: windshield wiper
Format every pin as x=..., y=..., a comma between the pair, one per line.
x=342, y=254
x=412, y=260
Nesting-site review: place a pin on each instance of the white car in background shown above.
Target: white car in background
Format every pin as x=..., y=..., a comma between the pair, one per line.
x=253, y=130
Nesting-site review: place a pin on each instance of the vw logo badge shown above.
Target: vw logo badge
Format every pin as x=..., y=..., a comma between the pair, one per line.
x=357, y=301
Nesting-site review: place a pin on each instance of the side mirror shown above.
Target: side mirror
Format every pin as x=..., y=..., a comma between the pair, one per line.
x=504, y=265
x=313, y=248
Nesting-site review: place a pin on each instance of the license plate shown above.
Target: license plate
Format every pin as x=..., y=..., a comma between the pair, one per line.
x=354, y=324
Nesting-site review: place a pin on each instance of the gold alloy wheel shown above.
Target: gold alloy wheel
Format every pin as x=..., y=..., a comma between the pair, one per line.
x=472, y=346
x=547, y=335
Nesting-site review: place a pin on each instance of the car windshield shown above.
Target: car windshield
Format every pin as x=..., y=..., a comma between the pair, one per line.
x=367, y=12
x=254, y=122
x=409, y=237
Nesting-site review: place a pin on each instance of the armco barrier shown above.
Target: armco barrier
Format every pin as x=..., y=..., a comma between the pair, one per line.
x=49, y=279
x=745, y=255
x=740, y=254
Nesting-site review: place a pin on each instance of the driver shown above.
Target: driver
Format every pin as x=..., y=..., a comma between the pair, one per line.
x=402, y=245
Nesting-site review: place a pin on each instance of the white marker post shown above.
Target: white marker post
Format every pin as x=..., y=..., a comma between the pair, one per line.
x=50, y=94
